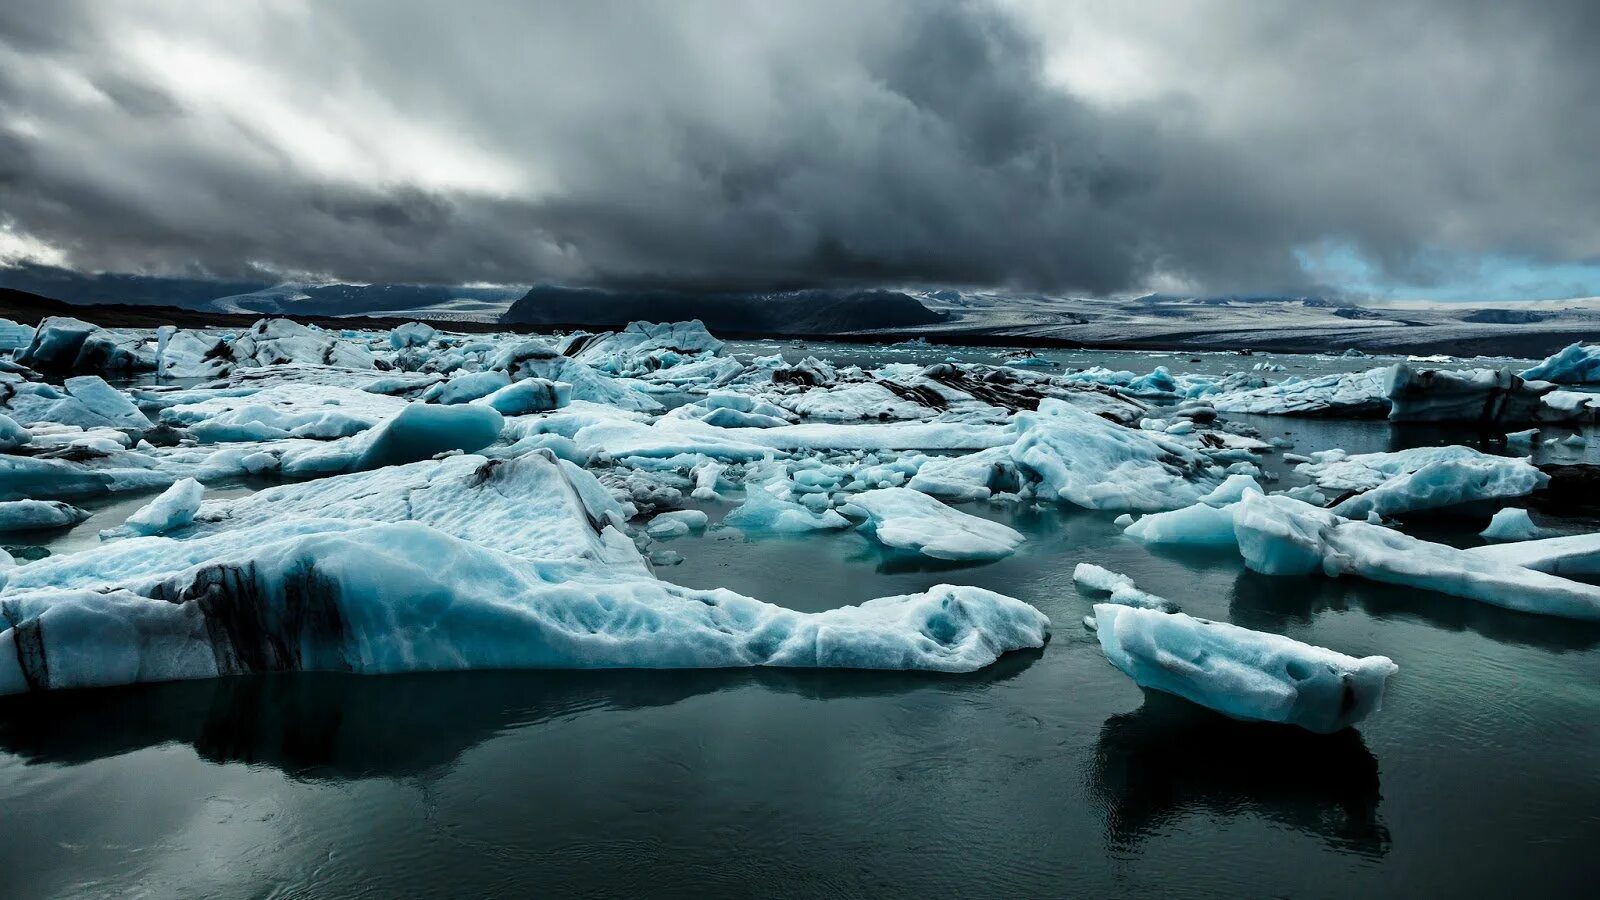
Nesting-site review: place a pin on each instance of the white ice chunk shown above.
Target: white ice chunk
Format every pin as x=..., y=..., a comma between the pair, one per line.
x=972, y=476
x=762, y=511
x=174, y=509
x=1573, y=555
x=1241, y=673
x=530, y=395
x=1511, y=524
x=1281, y=536
x=21, y=515
x=12, y=435
x=1081, y=458
x=466, y=388
x=911, y=520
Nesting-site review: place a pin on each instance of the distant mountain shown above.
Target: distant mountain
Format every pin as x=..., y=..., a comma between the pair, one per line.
x=789, y=312
x=137, y=290
x=255, y=297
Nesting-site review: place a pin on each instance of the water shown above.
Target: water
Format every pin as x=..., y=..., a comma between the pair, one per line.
x=1049, y=773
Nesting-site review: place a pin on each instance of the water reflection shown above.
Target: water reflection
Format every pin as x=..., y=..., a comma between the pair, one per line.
x=333, y=726
x=1170, y=759
x=1271, y=603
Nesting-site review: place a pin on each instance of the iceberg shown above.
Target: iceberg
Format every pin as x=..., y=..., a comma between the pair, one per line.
x=411, y=334
x=909, y=520
x=1359, y=395
x=971, y=476
x=283, y=341
x=765, y=512
x=1421, y=478
x=1281, y=536
x=12, y=435
x=530, y=395
x=466, y=388
x=1511, y=524
x=1241, y=673
x=174, y=509
x=1094, y=579
x=1082, y=459
x=22, y=515
x=1577, y=363
x=1208, y=523
x=642, y=347
x=382, y=598
x=1477, y=396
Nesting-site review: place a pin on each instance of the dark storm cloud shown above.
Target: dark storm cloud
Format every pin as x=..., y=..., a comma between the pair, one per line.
x=724, y=144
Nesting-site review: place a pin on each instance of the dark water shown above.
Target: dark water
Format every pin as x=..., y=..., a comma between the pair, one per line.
x=1048, y=774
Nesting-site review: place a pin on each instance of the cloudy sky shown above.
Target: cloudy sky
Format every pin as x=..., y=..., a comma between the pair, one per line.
x=1367, y=147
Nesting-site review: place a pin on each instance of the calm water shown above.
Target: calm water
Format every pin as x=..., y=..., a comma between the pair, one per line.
x=1047, y=774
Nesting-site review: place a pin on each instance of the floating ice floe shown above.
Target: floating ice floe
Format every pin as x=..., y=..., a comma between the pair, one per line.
x=1422, y=478
x=1082, y=459
x=21, y=515
x=1575, y=364
x=378, y=598
x=1122, y=591
x=971, y=476
x=1356, y=395
x=1281, y=536
x=1207, y=523
x=1511, y=524
x=910, y=520
x=1573, y=555
x=1479, y=396
x=1241, y=673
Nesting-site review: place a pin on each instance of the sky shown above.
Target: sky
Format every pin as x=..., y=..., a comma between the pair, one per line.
x=1439, y=149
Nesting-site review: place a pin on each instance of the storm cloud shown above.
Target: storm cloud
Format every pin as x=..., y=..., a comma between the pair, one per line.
x=1074, y=147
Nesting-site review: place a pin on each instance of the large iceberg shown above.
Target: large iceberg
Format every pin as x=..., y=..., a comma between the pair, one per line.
x=1476, y=396
x=1278, y=535
x=1082, y=459
x=406, y=597
x=1355, y=395
x=1242, y=673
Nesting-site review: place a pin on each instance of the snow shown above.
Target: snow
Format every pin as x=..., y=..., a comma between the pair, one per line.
x=1575, y=364
x=1511, y=524
x=1240, y=673
x=906, y=519
x=174, y=509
